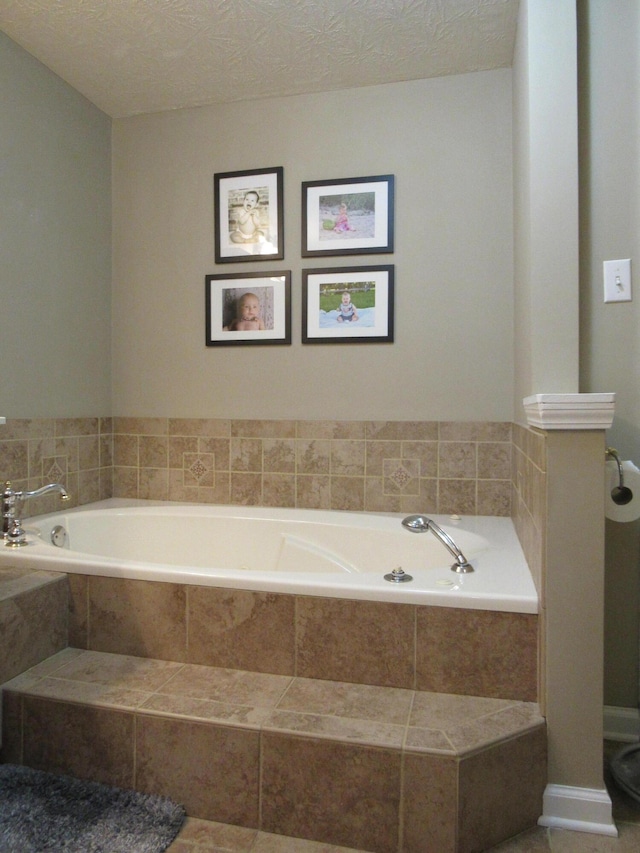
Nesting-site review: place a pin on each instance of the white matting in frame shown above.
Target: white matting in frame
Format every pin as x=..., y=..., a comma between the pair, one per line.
x=249, y=215
x=352, y=216
x=248, y=308
x=348, y=305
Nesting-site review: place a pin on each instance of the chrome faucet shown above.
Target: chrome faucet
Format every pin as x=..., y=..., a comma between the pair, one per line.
x=12, y=503
x=420, y=524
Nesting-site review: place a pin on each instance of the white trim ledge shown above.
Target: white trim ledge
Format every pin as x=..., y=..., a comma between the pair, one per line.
x=570, y=411
x=578, y=809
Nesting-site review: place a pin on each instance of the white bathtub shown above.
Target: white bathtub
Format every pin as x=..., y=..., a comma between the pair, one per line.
x=305, y=552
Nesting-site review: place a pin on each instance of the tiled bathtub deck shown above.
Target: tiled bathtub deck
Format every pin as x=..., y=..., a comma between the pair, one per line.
x=374, y=768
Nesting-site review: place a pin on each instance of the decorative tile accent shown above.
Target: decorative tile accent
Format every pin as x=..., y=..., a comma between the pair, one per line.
x=55, y=470
x=198, y=469
x=401, y=476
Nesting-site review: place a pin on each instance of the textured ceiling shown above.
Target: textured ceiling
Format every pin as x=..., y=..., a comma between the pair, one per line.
x=139, y=56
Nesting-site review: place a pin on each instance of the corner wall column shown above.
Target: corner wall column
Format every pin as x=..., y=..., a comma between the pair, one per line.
x=573, y=608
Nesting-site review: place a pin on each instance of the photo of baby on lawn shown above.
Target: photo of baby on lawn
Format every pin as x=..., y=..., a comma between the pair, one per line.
x=347, y=305
x=349, y=215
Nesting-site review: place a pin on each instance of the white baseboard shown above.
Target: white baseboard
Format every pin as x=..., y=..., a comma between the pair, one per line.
x=578, y=809
x=621, y=724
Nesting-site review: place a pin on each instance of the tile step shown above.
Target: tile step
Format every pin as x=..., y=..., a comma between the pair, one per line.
x=413, y=720
x=381, y=769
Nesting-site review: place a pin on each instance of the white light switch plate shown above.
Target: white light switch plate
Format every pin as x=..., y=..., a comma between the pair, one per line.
x=617, y=280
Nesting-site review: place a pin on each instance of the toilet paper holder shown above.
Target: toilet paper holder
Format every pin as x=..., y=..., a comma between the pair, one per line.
x=620, y=494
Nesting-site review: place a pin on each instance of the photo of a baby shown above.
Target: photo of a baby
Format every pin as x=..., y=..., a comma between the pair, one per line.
x=347, y=304
x=249, y=215
x=245, y=311
x=351, y=215
x=249, y=220
x=347, y=216
x=248, y=308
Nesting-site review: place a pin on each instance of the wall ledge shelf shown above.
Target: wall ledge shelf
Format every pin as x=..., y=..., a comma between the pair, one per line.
x=570, y=411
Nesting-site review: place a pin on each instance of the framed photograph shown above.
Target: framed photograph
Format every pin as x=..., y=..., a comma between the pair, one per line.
x=250, y=308
x=347, y=305
x=353, y=216
x=249, y=215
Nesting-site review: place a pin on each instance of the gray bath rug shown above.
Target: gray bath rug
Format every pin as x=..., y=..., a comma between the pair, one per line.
x=41, y=812
x=625, y=769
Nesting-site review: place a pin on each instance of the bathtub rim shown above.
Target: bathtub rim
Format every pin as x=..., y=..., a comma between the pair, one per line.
x=464, y=594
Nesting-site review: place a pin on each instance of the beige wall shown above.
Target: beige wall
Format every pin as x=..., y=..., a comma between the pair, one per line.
x=448, y=143
x=55, y=222
x=545, y=201
x=610, y=343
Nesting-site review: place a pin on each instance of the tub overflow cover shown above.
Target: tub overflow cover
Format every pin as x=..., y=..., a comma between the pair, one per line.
x=58, y=536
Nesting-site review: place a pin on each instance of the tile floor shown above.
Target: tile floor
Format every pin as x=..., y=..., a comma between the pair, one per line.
x=199, y=836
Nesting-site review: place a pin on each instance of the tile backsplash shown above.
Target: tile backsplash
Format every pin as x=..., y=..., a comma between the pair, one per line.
x=528, y=505
x=77, y=452
x=377, y=466
x=346, y=465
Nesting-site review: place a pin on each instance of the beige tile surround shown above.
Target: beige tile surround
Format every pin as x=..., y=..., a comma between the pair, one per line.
x=33, y=618
x=77, y=452
x=325, y=648
x=454, y=458
x=391, y=466
x=529, y=509
x=439, y=649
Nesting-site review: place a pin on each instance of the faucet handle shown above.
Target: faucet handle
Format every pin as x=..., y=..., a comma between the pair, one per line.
x=16, y=536
x=9, y=500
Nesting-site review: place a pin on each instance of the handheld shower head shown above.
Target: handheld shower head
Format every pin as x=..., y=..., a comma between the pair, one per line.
x=420, y=524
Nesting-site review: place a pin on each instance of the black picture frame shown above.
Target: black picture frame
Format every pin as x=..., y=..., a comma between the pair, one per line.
x=225, y=322
x=249, y=215
x=370, y=319
x=367, y=204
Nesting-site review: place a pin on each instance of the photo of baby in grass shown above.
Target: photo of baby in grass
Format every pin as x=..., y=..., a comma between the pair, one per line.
x=345, y=304
x=348, y=305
